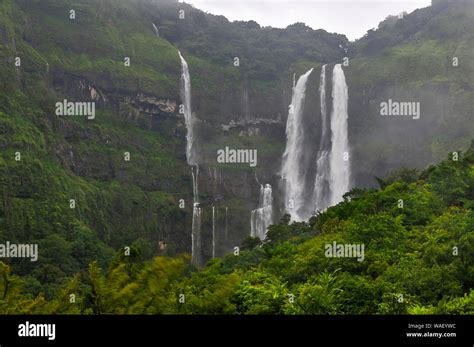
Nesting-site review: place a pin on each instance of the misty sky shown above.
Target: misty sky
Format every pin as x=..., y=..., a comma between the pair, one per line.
x=350, y=17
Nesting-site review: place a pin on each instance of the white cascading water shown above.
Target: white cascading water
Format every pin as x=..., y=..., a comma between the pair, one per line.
x=322, y=99
x=196, y=234
x=339, y=158
x=188, y=116
x=196, y=223
x=321, y=182
x=155, y=29
x=185, y=92
x=262, y=217
x=292, y=171
x=195, y=175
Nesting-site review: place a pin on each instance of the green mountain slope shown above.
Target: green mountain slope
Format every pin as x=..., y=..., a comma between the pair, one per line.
x=417, y=233
x=118, y=203
x=51, y=54
x=47, y=160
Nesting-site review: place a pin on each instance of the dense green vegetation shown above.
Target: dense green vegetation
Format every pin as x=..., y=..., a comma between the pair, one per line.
x=62, y=158
x=419, y=259
x=119, y=203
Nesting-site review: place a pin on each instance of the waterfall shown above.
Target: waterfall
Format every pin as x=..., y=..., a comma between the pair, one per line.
x=293, y=172
x=196, y=234
x=185, y=92
x=262, y=217
x=195, y=175
x=196, y=223
x=322, y=99
x=216, y=179
x=188, y=116
x=321, y=182
x=155, y=29
x=339, y=158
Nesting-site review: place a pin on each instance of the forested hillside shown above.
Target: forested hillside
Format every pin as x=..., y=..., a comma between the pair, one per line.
x=418, y=260
x=117, y=203
x=84, y=189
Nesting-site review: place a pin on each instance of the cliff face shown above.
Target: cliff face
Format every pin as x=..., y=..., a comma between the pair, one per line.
x=424, y=58
x=241, y=76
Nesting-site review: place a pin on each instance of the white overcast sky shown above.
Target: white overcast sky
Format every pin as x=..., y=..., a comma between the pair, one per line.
x=350, y=17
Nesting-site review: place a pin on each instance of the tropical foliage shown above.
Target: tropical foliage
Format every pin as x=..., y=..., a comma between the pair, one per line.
x=418, y=232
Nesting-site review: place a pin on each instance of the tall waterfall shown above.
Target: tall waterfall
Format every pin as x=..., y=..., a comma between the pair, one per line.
x=196, y=223
x=339, y=159
x=322, y=99
x=262, y=217
x=155, y=29
x=329, y=163
x=188, y=116
x=185, y=92
x=321, y=183
x=293, y=173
